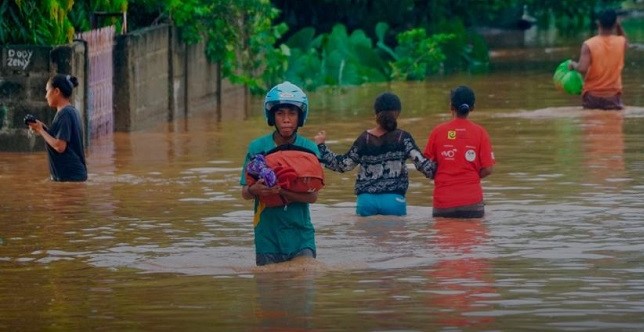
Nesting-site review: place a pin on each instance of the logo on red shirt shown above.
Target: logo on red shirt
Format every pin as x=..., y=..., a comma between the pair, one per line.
x=470, y=155
x=451, y=134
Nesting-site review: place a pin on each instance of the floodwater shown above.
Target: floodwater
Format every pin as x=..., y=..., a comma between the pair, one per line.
x=160, y=239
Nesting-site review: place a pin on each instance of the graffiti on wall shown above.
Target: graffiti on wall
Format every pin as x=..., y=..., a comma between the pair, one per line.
x=17, y=58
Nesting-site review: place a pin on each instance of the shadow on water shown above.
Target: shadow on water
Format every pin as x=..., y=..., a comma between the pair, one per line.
x=159, y=236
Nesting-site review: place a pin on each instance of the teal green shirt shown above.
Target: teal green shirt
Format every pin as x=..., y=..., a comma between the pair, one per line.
x=282, y=229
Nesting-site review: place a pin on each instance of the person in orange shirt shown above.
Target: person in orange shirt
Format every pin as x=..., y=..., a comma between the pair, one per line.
x=601, y=61
x=463, y=155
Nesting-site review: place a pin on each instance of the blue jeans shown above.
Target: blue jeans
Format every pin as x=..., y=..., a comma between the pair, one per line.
x=384, y=204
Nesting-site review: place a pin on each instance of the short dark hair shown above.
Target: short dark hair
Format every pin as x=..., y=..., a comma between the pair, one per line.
x=607, y=18
x=387, y=102
x=462, y=99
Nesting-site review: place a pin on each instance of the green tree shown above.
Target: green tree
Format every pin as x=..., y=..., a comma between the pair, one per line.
x=42, y=22
x=239, y=34
x=81, y=13
x=418, y=55
x=51, y=22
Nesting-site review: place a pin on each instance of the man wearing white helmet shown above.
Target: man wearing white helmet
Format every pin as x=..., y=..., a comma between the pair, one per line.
x=282, y=233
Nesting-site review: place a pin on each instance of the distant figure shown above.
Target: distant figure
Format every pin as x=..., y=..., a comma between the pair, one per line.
x=601, y=61
x=282, y=233
x=65, y=136
x=463, y=154
x=526, y=21
x=381, y=152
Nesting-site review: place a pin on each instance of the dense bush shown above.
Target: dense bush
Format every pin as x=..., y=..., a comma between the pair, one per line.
x=340, y=58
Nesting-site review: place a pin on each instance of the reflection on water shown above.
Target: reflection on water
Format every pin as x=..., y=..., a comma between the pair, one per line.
x=465, y=280
x=160, y=238
x=284, y=302
x=603, y=137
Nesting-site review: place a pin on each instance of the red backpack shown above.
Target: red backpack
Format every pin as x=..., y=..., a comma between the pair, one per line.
x=297, y=169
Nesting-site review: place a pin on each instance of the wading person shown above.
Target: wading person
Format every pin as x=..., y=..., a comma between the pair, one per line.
x=463, y=155
x=64, y=137
x=381, y=152
x=282, y=233
x=601, y=62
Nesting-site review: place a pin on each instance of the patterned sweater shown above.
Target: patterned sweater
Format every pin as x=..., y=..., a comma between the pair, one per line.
x=382, y=162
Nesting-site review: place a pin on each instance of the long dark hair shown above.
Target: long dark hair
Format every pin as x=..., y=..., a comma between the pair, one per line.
x=64, y=83
x=387, y=107
x=387, y=120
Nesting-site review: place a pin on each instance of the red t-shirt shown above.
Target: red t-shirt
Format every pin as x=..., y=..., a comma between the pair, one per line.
x=460, y=148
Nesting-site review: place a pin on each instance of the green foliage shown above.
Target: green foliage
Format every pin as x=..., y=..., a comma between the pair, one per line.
x=634, y=29
x=339, y=58
x=419, y=55
x=570, y=16
x=335, y=58
x=239, y=34
x=51, y=22
x=465, y=50
x=148, y=13
x=399, y=15
x=81, y=13
x=42, y=22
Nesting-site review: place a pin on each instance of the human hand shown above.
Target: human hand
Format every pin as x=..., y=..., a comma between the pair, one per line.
x=320, y=137
x=572, y=65
x=36, y=126
x=260, y=188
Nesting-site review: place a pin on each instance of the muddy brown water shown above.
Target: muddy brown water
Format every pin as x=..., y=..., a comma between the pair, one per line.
x=160, y=239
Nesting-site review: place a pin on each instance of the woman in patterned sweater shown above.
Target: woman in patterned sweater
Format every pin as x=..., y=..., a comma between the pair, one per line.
x=381, y=152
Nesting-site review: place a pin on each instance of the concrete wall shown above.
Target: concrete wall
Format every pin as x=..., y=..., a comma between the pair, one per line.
x=141, y=77
x=157, y=78
x=24, y=73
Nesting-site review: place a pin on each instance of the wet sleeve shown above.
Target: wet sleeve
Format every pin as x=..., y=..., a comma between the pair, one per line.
x=422, y=164
x=339, y=163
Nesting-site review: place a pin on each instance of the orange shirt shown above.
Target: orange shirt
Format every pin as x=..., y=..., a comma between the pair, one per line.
x=460, y=148
x=604, y=76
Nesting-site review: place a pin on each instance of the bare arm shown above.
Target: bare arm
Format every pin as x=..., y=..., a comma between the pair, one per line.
x=292, y=196
x=620, y=32
x=57, y=144
x=584, y=60
x=258, y=189
x=246, y=194
x=485, y=171
x=422, y=164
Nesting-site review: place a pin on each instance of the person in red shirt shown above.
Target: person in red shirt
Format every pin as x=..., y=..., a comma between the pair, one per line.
x=463, y=154
x=601, y=61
